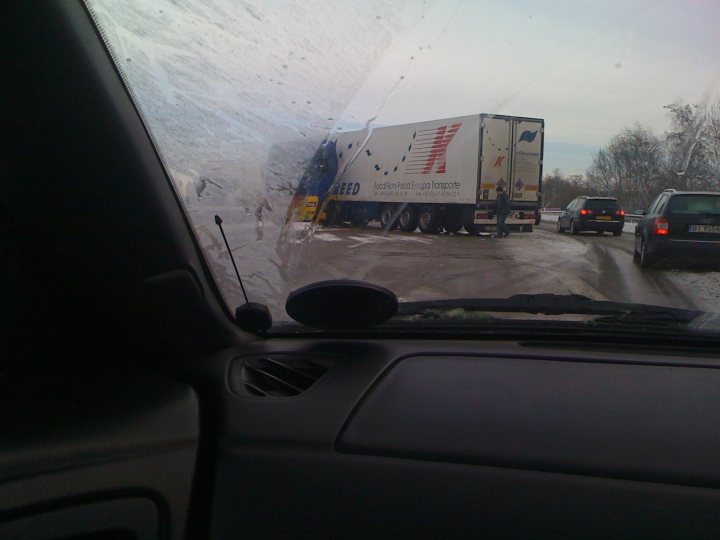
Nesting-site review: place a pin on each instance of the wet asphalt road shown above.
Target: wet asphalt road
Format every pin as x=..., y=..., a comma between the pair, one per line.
x=615, y=274
x=420, y=267
x=274, y=260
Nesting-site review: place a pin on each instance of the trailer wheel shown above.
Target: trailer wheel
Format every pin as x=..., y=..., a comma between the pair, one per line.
x=427, y=221
x=452, y=222
x=408, y=219
x=332, y=215
x=359, y=223
x=471, y=228
x=386, y=215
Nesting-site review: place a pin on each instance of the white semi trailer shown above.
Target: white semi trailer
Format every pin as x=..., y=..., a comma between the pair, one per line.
x=439, y=174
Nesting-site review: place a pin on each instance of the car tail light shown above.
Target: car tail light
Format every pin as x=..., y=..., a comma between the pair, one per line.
x=583, y=212
x=662, y=227
x=620, y=213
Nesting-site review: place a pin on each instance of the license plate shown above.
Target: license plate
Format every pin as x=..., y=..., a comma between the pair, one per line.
x=604, y=218
x=705, y=228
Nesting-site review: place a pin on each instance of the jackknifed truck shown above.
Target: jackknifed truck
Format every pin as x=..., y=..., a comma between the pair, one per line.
x=436, y=175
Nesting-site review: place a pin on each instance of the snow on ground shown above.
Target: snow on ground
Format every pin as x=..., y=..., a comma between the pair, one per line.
x=702, y=287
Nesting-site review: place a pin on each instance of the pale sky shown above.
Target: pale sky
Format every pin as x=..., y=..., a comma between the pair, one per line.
x=589, y=69
x=222, y=80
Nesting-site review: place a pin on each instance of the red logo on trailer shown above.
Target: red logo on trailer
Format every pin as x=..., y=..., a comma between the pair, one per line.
x=428, y=151
x=438, y=151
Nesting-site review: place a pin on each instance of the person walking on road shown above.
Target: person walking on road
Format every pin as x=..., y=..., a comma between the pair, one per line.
x=502, y=209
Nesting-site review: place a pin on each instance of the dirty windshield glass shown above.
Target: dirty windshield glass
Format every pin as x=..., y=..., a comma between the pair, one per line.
x=432, y=147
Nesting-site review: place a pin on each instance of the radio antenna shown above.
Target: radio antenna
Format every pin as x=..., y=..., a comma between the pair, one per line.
x=251, y=316
x=218, y=222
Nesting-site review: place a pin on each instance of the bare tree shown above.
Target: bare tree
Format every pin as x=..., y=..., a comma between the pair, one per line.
x=559, y=190
x=631, y=167
x=710, y=138
x=683, y=152
x=693, y=145
x=635, y=164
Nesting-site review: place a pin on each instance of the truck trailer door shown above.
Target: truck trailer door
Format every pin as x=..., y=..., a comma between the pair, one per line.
x=526, y=162
x=495, y=156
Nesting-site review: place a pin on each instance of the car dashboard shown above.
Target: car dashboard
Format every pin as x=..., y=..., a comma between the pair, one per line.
x=308, y=437
x=468, y=439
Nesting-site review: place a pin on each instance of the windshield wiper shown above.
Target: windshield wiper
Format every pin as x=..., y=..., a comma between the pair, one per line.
x=552, y=304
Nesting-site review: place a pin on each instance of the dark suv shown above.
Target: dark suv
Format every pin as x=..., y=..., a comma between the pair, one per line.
x=599, y=214
x=679, y=224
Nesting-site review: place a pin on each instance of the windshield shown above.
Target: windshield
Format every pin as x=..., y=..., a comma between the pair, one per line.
x=398, y=142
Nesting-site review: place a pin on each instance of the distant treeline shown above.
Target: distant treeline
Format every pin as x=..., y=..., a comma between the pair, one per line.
x=636, y=164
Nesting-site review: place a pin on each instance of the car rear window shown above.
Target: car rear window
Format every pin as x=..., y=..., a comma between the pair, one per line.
x=694, y=204
x=597, y=204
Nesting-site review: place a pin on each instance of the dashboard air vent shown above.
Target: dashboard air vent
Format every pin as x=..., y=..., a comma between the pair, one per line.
x=280, y=375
